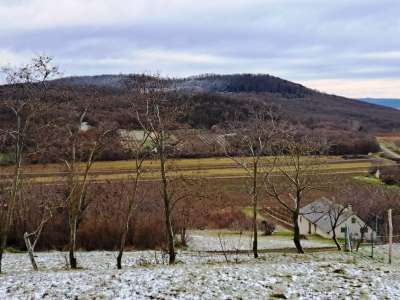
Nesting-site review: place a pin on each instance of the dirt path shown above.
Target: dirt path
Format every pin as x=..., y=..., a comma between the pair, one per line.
x=389, y=153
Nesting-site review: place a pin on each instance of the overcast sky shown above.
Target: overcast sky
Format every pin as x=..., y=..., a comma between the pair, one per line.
x=347, y=47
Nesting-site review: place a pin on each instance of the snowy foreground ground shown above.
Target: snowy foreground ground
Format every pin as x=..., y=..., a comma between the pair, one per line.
x=328, y=275
x=212, y=241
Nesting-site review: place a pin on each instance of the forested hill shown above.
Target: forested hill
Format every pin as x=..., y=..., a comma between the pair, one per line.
x=209, y=104
x=215, y=99
x=215, y=96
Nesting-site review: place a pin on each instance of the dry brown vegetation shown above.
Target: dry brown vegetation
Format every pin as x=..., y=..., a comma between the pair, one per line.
x=219, y=205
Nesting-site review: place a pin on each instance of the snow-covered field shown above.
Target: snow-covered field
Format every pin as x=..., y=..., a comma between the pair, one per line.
x=327, y=275
x=216, y=241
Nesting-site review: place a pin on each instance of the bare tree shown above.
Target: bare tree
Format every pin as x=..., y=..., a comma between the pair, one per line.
x=293, y=175
x=371, y=203
x=78, y=168
x=158, y=122
x=254, y=140
x=138, y=146
x=182, y=218
x=29, y=83
x=336, y=212
x=186, y=195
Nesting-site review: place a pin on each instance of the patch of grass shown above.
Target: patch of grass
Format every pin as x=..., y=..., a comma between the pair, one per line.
x=5, y=158
x=369, y=180
x=375, y=181
x=289, y=234
x=283, y=233
x=13, y=250
x=235, y=233
x=248, y=211
x=318, y=238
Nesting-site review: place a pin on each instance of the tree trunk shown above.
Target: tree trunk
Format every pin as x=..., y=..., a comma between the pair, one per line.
x=296, y=234
x=335, y=240
x=167, y=208
x=72, y=259
x=30, y=251
x=3, y=241
x=4, y=236
x=126, y=225
x=255, y=232
x=6, y=227
x=122, y=245
x=183, y=237
x=170, y=235
x=11, y=203
x=72, y=244
x=362, y=237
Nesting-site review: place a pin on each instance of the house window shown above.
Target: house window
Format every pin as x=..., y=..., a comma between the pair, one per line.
x=343, y=229
x=353, y=220
x=364, y=230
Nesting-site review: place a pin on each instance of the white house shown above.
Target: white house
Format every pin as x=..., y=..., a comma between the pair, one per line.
x=315, y=218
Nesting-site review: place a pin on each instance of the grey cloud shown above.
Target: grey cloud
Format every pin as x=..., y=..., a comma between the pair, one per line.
x=299, y=40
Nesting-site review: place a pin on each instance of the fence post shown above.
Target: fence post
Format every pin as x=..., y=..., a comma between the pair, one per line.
x=372, y=244
x=374, y=237
x=390, y=235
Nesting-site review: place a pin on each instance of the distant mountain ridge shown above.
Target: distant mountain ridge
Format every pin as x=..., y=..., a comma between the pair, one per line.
x=389, y=102
x=234, y=83
x=106, y=80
